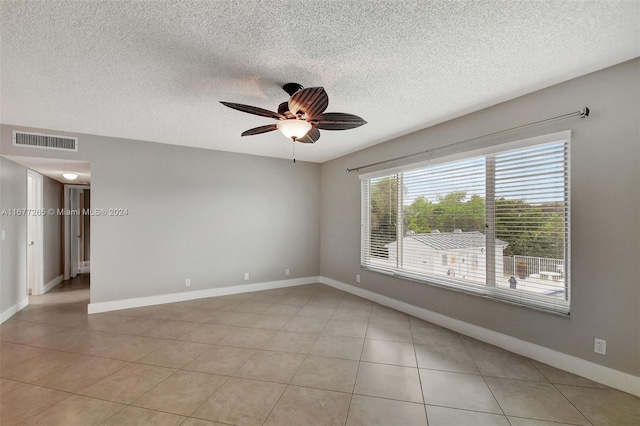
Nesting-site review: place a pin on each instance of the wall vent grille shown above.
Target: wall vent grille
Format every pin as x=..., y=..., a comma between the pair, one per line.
x=41, y=140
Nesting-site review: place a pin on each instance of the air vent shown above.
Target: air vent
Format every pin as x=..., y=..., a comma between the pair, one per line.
x=40, y=140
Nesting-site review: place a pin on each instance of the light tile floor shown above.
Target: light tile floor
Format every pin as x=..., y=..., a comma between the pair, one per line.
x=307, y=355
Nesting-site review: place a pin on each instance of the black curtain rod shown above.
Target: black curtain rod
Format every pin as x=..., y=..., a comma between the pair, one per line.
x=583, y=113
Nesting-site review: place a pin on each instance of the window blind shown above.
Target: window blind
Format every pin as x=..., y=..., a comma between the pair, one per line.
x=494, y=224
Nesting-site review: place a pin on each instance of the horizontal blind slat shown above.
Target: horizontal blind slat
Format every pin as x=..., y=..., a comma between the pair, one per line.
x=443, y=219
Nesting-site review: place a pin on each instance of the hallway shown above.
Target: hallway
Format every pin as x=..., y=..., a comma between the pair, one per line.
x=79, y=282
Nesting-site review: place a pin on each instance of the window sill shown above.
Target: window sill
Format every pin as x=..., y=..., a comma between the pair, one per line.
x=486, y=292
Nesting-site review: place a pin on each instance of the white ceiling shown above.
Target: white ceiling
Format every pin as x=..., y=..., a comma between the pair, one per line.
x=156, y=70
x=54, y=168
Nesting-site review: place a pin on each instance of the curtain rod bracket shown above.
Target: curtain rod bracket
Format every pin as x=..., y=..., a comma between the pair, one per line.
x=584, y=113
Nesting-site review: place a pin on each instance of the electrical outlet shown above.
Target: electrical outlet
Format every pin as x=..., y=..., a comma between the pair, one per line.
x=600, y=346
x=246, y=276
x=286, y=272
x=358, y=278
x=188, y=282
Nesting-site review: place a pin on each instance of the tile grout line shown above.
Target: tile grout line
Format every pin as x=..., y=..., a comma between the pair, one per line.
x=483, y=378
x=569, y=401
x=130, y=318
x=86, y=396
x=127, y=404
x=415, y=354
x=353, y=388
x=265, y=381
x=142, y=336
x=292, y=377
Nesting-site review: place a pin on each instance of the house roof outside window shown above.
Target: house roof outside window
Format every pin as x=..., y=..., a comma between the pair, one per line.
x=453, y=240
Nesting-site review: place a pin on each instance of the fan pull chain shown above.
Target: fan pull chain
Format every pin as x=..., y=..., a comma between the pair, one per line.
x=294, y=150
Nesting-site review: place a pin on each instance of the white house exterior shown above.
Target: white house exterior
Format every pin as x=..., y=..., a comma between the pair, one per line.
x=457, y=254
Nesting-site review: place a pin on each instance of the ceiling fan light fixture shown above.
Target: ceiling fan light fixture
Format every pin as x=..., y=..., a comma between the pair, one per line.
x=70, y=176
x=302, y=117
x=294, y=129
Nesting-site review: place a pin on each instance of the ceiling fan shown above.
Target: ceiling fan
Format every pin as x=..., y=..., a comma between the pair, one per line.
x=302, y=117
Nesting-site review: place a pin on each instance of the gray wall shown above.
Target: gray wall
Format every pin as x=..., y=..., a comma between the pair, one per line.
x=605, y=218
x=192, y=213
x=53, y=197
x=13, y=254
x=211, y=216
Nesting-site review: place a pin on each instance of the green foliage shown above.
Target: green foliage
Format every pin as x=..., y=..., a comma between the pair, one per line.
x=530, y=230
x=383, y=215
x=451, y=211
x=416, y=216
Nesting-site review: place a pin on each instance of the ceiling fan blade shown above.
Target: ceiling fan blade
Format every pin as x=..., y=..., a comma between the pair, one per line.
x=311, y=137
x=338, y=121
x=259, y=130
x=253, y=110
x=311, y=101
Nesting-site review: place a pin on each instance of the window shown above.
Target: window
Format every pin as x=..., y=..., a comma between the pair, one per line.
x=492, y=223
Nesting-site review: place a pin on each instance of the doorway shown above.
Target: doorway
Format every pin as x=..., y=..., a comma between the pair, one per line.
x=35, y=233
x=77, y=231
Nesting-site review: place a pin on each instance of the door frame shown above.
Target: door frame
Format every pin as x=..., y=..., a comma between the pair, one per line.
x=34, y=217
x=67, y=227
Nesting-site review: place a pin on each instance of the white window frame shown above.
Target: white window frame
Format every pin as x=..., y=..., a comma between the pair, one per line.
x=489, y=290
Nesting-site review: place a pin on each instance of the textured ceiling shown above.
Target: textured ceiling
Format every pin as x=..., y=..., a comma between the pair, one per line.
x=156, y=70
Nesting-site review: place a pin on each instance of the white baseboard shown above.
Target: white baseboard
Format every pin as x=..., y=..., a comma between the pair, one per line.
x=51, y=284
x=11, y=311
x=138, y=302
x=590, y=370
x=85, y=267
